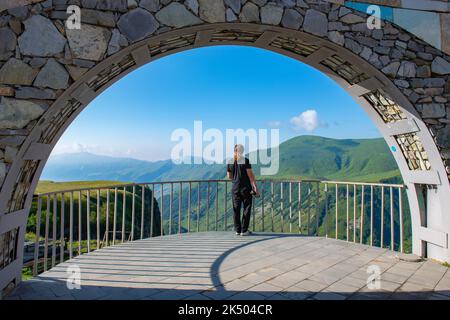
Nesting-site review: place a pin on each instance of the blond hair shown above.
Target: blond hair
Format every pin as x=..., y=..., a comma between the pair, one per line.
x=238, y=151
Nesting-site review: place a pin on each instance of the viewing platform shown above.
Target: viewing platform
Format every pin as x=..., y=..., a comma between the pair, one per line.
x=221, y=265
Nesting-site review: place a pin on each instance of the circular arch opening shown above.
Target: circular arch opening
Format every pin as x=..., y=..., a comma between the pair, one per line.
x=394, y=115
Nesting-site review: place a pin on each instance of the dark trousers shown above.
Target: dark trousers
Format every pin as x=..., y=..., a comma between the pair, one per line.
x=242, y=198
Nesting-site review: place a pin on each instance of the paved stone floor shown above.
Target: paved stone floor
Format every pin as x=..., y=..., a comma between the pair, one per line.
x=219, y=265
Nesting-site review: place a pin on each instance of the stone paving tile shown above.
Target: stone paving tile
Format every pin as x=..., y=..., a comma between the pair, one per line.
x=311, y=285
x=270, y=272
x=424, y=280
x=288, y=279
x=352, y=282
x=264, y=266
x=341, y=288
x=389, y=285
x=360, y=274
x=413, y=287
x=256, y=278
x=237, y=285
x=392, y=277
x=443, y=285
x=266, y=289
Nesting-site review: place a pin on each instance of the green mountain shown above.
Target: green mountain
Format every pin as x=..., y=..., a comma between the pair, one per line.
x=303, y=156
x=349, y=159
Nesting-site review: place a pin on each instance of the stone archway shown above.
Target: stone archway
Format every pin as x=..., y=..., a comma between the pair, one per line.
x=401, y=81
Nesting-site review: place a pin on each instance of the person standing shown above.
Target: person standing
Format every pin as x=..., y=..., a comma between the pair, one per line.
x=244, y=187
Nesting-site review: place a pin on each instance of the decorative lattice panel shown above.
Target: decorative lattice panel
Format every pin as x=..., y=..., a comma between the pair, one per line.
x=294, y=45
x=8, y=246
x=235, y=35
x=112, y=71
x=345, y=69
x=171, y=44
x=49, y=133
x=414, y=152
x=23, y=184
x=386, y=107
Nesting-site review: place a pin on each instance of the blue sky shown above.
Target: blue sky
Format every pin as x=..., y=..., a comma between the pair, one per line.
x=225, y=87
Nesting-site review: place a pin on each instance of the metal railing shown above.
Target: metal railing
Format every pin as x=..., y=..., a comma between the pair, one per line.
x=83, y=220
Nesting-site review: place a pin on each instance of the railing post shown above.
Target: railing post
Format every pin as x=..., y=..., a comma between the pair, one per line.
x=400, y=209
x=337, y=212
x=391, y=198
x=207, y=205
x=142, y=211
x=98, y=219
x=290, y=207
x=347, y=200
x=299, y=207
x=115, y=216
x=217, y=206
x=170, y=207
x=325, y=219
x=354, y=212
x=198, y=206
x=124, y=209
x=308, y=206
x=262, y=206
x=38, y=234
x=152, y=210
x=317, y=208
x=180, y=203
x=253, y=213
x=133, y=212
x=47, y=223
x=272, y=203
x=71, y=226
x=225, y=207
x=62, y=244
x=382, y=219
x=54, y=218
x=361, y=232
x=189, y=207
x=282, y=206
x=80, y=224
x=162, y=209
x=88, y=221
x=371, y=215
x=107, y=217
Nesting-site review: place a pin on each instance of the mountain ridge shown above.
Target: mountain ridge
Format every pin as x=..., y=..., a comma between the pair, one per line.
x=303, y=156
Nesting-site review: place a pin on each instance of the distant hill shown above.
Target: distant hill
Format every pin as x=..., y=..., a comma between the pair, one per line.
x=340, y=159
x=303, y=156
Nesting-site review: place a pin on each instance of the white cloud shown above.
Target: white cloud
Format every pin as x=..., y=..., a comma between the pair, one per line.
x=308, y=121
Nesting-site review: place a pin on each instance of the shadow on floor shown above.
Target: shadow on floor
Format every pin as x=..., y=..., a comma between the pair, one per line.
x=217, y=266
